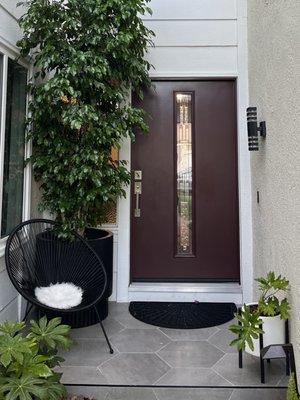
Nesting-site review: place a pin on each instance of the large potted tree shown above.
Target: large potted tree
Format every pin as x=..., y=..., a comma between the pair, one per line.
x=87, y=55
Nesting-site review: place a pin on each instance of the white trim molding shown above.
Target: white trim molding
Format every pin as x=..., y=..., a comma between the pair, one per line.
x=123, y=263
x=201, y=292
x=245, y=192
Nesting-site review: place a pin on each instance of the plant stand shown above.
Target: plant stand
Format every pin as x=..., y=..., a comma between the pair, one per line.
x=279, y=351
x=262, y=354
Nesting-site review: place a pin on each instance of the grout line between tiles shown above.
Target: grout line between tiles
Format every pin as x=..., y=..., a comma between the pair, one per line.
x=166, y=362
x=164, y=346
x=114, y=334
x=100, y=365
x=217, y=347
x=213, y=334
x=216, y=363
x=155, y=394
x=172, y=340
x=221, y=376
x=157, y=380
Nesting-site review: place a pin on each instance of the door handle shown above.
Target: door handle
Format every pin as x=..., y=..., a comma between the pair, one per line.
x=137, y=192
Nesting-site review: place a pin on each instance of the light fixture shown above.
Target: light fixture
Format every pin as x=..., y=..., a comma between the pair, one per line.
x=253, y=129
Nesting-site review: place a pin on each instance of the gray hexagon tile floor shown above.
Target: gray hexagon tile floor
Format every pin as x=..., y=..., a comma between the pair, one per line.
x=147, y=355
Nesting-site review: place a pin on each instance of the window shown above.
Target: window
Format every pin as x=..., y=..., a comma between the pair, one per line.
x=184, y=172
x=12, y=144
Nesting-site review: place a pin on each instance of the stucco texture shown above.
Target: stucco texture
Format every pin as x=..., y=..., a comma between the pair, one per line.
x=274, y=84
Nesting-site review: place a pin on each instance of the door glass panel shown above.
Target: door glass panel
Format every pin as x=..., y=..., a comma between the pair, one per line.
x=184, y=173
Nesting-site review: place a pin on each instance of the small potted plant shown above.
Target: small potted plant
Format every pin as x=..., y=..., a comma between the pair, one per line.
x=27, y=362
x=266, y=317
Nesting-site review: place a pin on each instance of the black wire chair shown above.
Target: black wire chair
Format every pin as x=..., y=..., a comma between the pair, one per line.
x=36, y=257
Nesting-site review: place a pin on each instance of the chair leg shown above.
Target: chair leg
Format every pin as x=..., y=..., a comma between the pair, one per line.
x=262, y=370
x=287, y=365
x=28, y=310
x=104, y=332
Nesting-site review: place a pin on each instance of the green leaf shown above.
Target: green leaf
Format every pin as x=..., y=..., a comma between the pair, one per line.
x=292, y=393
x=40, y=370
x=248, y=329
x=24, y=388
x=11, y=327
x=284, y=309
x=271, y=288
x=50, y=334
x=14, y=348
x=6, y=358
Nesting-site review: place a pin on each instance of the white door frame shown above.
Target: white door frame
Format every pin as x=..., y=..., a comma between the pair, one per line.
x=209, y=292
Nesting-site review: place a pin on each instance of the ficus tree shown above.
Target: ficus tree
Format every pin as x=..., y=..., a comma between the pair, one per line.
x=87, y=56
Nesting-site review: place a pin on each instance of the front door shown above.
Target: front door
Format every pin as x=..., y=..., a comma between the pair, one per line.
x=184, y=200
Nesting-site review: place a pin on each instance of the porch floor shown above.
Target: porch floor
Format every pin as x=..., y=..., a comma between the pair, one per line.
x=149, y=356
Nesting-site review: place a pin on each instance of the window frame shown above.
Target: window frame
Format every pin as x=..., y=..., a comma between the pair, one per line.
x=9, y=52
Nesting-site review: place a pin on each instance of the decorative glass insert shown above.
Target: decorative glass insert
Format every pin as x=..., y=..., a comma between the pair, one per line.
x=184, y=173
x=14, y=144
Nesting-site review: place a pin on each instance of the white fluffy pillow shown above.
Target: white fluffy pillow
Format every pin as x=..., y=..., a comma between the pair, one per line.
x=59, y=295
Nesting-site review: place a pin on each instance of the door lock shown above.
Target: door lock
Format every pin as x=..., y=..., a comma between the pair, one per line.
x=137, y=175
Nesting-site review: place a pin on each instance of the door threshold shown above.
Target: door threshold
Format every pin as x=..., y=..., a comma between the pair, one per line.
x=185, y=287
x=209, y=292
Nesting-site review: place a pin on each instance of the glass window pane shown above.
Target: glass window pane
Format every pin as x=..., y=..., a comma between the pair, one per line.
x=184, y=166
x=12, y=202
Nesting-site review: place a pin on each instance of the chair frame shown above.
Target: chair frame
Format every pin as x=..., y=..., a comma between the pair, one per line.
x=32, y=302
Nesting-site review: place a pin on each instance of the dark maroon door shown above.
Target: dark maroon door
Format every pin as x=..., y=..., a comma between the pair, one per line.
x=184, y=200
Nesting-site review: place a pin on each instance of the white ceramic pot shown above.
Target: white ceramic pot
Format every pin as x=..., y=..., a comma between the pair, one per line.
x=274, y=333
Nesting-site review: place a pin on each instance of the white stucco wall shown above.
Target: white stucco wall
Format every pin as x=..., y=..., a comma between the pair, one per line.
x=274, y=84
x=9, y=34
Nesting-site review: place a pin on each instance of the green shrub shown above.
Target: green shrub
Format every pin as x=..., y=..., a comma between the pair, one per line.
x=269, y=305
x=88, y=56
x=27, y=361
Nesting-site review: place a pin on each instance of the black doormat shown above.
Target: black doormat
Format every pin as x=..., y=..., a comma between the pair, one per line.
x=182, y=315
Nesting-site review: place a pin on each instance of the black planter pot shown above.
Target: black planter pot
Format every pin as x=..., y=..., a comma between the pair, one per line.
x=102, y=243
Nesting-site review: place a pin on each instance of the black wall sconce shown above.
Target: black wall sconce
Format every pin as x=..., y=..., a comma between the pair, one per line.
x=253, y=129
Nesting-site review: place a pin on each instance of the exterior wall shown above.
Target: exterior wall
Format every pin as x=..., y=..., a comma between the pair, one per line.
x=9, y=13
x=198, y=39
x=9, y=34
x=274, y=81
x=195, y=38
